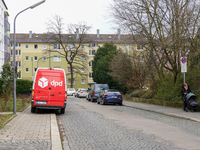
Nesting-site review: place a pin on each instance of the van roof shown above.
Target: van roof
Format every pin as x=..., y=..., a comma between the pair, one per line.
x=47, y=71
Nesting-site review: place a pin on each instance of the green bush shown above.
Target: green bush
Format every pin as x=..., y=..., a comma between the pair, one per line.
x=23, y=86
x=147, y=95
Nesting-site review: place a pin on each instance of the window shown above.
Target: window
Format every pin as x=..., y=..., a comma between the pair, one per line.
x=92, y=52
x=139, y=47
x=70, y=46
x=18, y=52
x=35, y=69
x=69, y=69
x=140, y=58
x=11, y=52
x=93, y=44
x=69, y=82
x=19, y=76
x=27, y=70
x=11, y=44
x=90, y=64
x=44, y=46
x=82, y=58
x=90, y=75
x=56, y=46
x=35, y=46
x=26, y=46
x=56, y=67
x=18, y=45
x=18, y=63
x=56, y=58
x=82, y=46
x=35, y=58
x=82, y=81
x=26, y=58
x=82, y=69
x=127, y=47
x=44, y=58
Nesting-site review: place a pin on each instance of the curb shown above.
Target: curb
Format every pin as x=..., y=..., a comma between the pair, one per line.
x=55, y=134
x=167, y=114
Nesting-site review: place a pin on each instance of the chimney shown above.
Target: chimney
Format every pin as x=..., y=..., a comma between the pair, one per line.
x=118, y=33
x=30, y=34
x=97, y=32
x=77, y=33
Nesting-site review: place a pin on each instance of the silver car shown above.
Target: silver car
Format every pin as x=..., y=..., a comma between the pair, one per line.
x=71, y=91
x=82, y=93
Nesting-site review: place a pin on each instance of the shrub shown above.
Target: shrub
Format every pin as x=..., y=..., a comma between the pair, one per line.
x=23, y=86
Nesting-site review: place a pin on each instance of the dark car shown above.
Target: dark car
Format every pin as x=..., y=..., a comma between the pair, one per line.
x=94, y=91
x=110, y=96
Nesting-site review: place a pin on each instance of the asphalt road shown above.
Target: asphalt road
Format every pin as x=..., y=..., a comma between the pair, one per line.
x=89, y=126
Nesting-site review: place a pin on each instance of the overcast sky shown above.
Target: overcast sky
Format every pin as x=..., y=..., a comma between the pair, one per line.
x=93, y=12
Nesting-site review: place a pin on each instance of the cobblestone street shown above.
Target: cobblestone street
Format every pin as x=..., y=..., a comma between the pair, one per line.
x=85, y=126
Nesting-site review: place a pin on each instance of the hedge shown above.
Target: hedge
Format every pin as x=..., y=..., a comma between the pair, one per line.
x=22, y=86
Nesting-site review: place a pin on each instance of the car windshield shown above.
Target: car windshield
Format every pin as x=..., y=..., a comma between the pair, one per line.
x=101, y=86
x=84, y=91
x=71, y=89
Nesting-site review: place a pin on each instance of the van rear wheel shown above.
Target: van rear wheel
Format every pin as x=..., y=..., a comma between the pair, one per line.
x=33, y=109
x=62, y=111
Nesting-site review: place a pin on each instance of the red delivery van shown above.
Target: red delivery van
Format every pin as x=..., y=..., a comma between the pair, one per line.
x=49, y=90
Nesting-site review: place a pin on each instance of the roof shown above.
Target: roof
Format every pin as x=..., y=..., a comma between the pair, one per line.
x=103, y=38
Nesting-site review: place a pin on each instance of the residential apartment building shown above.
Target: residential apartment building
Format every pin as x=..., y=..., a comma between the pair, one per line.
x=32, y=53
x=4, y=34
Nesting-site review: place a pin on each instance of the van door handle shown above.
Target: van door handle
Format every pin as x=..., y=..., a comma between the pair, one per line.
x=52, y=95
x=49, y=88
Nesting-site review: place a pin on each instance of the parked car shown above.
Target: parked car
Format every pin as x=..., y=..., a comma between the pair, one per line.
x=94, y=91
x=77, y=92
x=82, y=93
x=110, y=96
x=71, y=91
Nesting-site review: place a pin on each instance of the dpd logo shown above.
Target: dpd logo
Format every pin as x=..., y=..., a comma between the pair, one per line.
x=54, y=83
x=43, y=82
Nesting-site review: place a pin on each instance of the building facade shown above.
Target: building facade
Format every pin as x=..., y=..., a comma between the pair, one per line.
x=32, y=53
x=4, y=34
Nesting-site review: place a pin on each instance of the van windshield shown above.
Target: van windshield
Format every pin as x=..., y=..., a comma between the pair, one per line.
x=101, y=86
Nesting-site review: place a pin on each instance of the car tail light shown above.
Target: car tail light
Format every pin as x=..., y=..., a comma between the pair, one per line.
x=119, y=95
x=94, y=93
x=32, y=94
x=106, y=95
x=81, y=92
x=65, y=95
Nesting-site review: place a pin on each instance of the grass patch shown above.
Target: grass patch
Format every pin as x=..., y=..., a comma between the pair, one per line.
x=21, y=102
x=4, y=118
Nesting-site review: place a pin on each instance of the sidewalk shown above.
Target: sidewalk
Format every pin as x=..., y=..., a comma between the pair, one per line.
x=40, y=130
x=174, y=112
x=31, y=131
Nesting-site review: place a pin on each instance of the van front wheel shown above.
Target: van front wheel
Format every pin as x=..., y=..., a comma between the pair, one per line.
x=62, y=111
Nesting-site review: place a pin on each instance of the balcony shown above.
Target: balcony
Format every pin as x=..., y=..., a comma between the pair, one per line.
x=6, y=40
x=7, y=25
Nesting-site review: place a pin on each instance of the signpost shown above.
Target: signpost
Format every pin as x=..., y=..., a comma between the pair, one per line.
x=184, y=66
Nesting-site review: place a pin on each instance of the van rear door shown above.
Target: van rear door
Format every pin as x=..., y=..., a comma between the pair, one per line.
x=41, y=89
x=57, y=88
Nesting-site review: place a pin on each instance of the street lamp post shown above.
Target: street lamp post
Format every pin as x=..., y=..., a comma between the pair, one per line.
x=15, y=68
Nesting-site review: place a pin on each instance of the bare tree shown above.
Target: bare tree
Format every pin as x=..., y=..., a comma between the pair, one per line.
x=128, y=70
x=168, y=26
x=70, y=44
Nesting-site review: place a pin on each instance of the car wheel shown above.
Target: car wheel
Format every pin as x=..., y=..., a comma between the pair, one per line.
x=120, y=104
x=73, y=94
x=33, y=109
x=62, y=111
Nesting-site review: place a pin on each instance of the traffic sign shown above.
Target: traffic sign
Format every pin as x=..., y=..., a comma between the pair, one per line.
x=183, y=64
